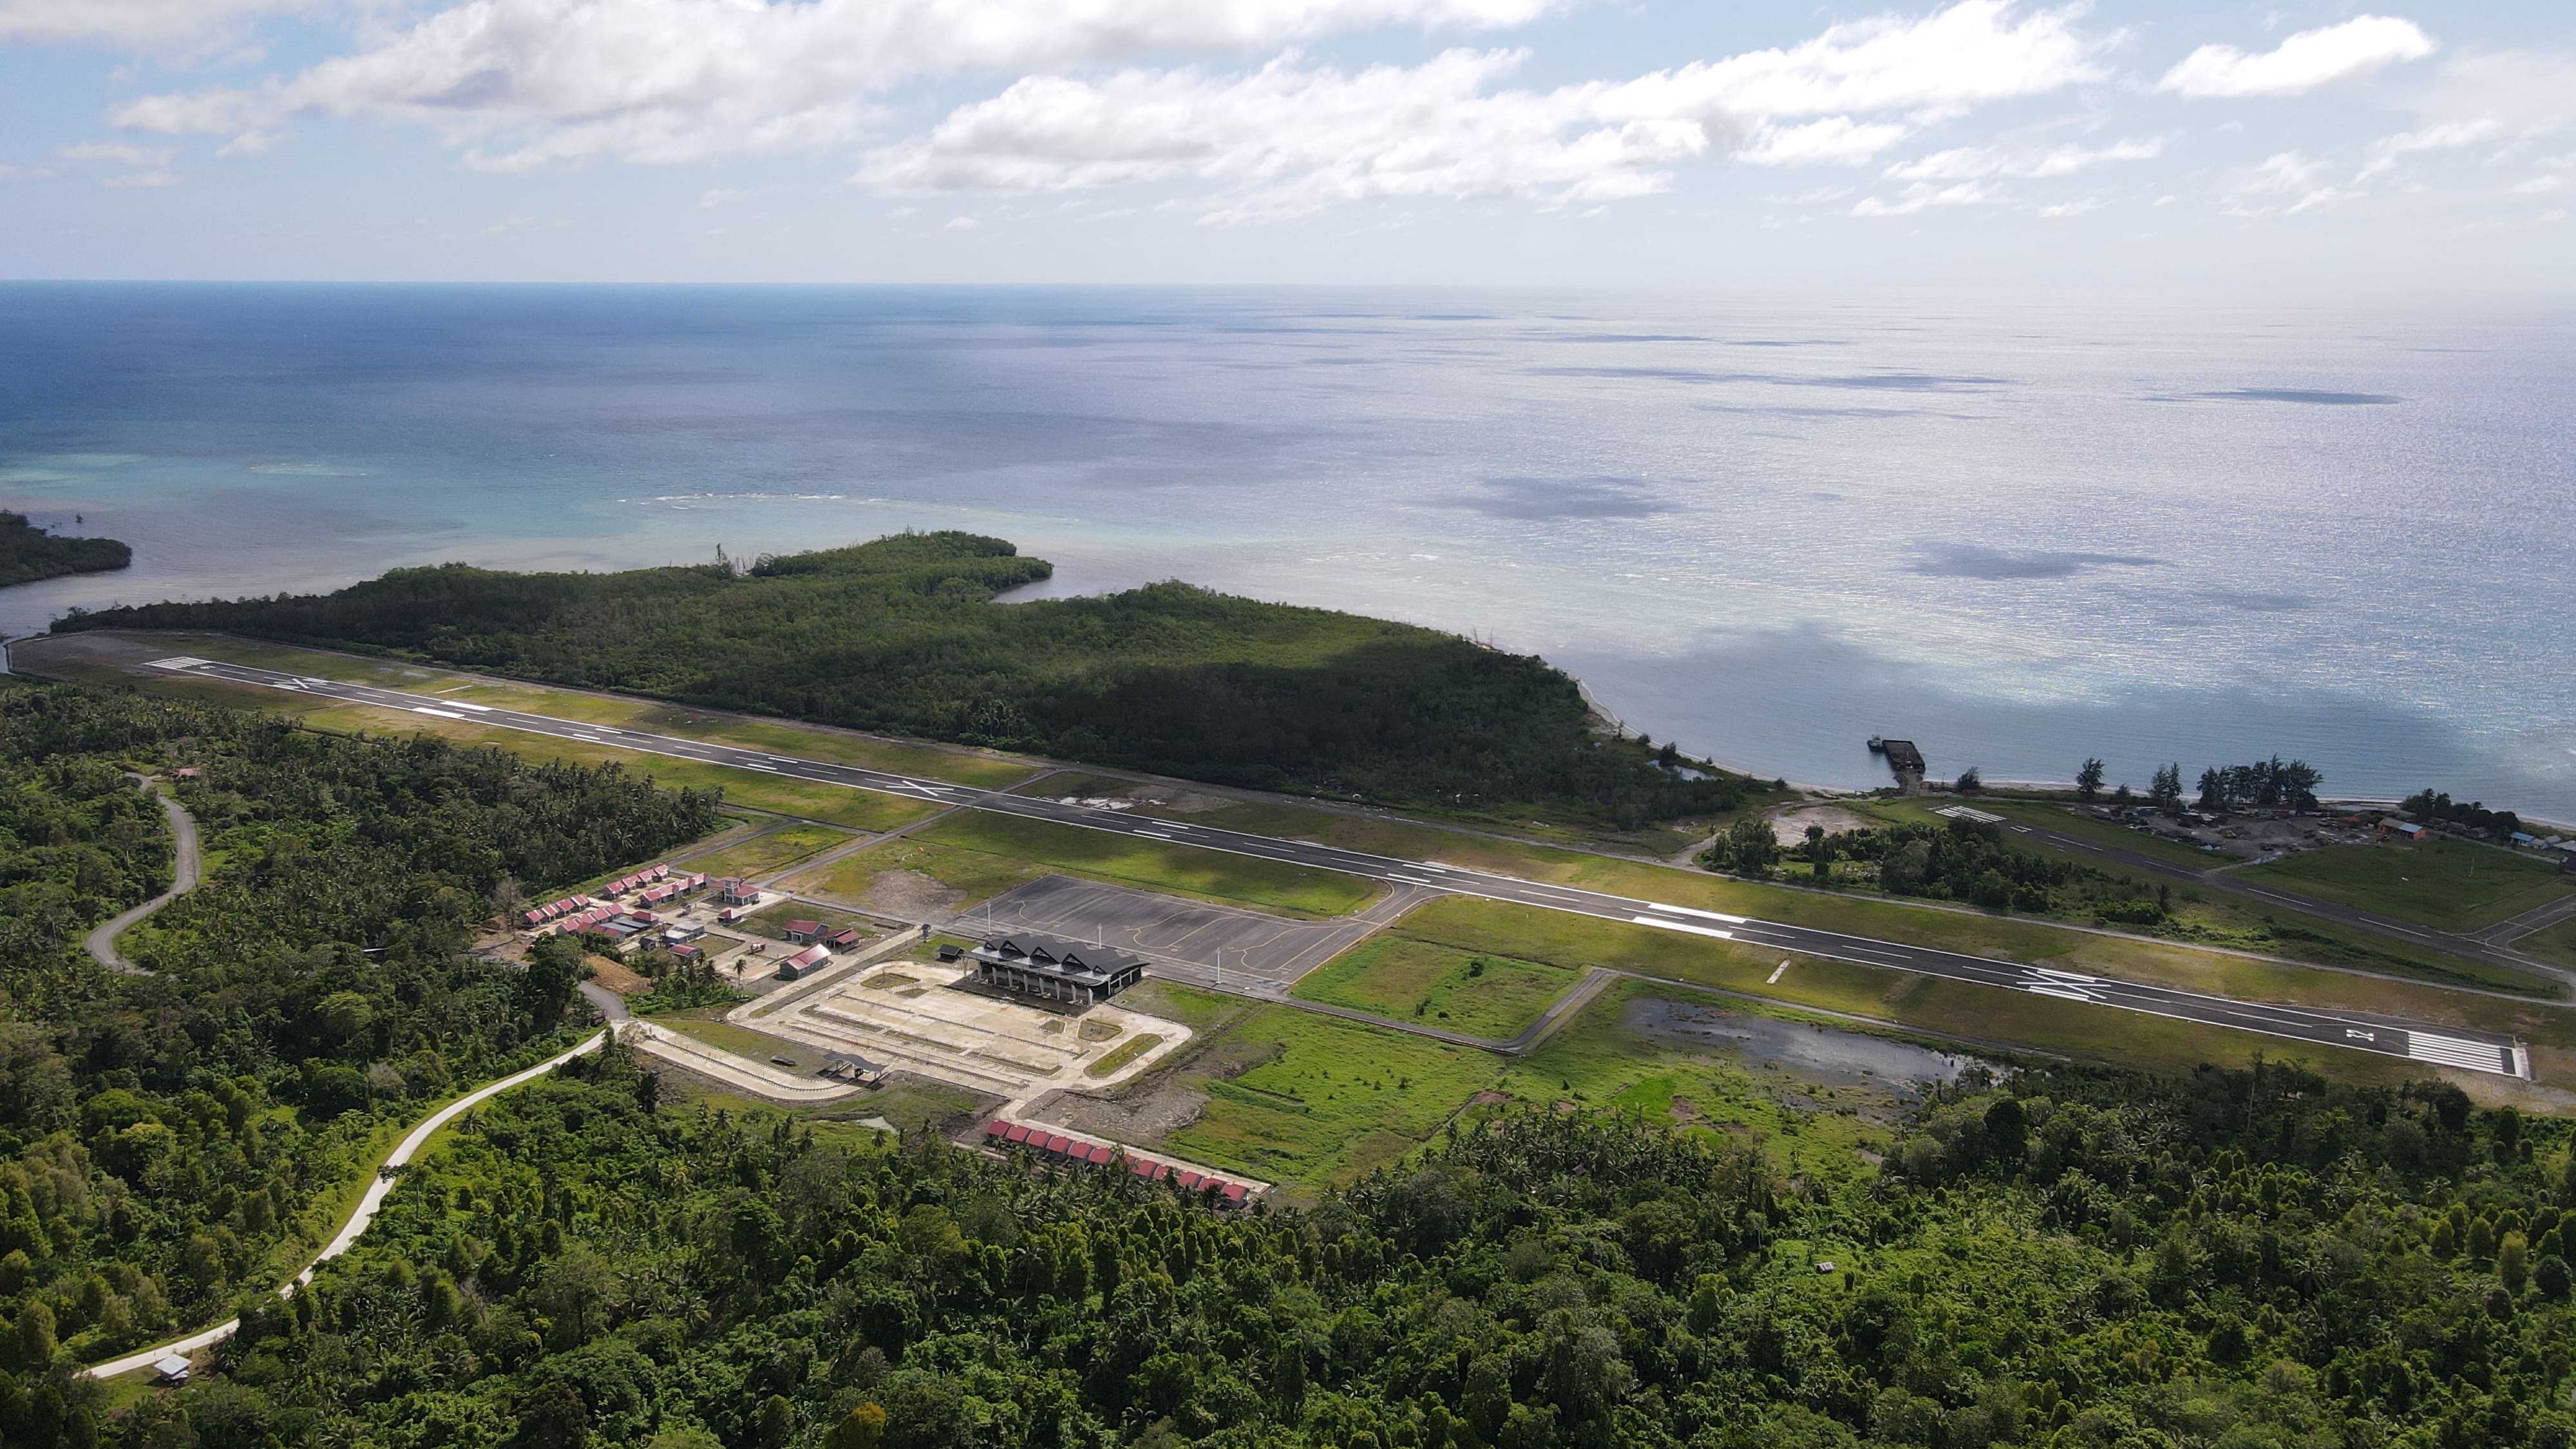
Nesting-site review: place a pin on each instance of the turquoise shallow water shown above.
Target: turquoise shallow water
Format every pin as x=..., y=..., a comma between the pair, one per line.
x=2019, y=534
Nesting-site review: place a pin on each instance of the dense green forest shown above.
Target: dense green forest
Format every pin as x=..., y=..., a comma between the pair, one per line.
x=29, y=553
x=170, y=1139
x=903, y=635
x=2248, y=1259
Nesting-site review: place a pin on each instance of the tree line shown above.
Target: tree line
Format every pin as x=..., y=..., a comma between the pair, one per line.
x=29, y=554
x=904, y=635
x=168, y=1140
x=2084, y=1259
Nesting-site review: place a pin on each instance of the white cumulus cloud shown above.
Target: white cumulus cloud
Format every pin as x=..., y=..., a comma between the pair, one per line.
x=2287, y=182
x=521, y=84
x=1968, y=162
x=2302, y=63
x=1291, y=137
x=153, y=23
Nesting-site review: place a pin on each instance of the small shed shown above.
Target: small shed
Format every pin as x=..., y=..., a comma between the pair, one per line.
x=170, y=1369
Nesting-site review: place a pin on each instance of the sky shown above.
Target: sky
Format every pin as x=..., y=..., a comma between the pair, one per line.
x=2215, y=149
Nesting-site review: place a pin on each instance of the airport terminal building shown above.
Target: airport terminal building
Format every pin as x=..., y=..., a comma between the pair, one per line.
x=1054, y=970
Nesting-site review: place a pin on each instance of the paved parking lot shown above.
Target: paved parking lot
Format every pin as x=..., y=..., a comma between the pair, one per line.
x=1184, y=940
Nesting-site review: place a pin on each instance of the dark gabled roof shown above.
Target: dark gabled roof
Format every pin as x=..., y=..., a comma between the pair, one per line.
x=1057, y=957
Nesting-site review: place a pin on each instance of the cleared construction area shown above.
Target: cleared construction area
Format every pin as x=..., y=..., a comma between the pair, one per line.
x=931, y=1019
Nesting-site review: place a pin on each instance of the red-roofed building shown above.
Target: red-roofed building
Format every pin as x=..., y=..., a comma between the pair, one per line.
x=1190, y=1180
x=804, y=932
x=1234, y=1193
x=734, y=892
x=843, y=939
x=803, y=962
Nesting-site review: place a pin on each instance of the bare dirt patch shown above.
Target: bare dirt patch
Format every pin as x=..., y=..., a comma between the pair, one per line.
x=1098, y=1031
x=1790, y=826
x=912, y=895
x=612, y=973
x=1143, y=1117
x=1684, y=1109
x=1489, y=1099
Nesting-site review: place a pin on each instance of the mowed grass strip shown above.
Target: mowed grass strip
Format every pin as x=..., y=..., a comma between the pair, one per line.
x=2446, y=884
x=2062, y=820
x=974, y=875
x=1127, y=860
x=862, y=810
x=1402, y=976
x=2557, y=943
x=2216, y=917
x=775, y=737
x=763, y=854
x=2021, y=939
x=1329, y=1099
x=1125, y=1052
x=1952, y=1008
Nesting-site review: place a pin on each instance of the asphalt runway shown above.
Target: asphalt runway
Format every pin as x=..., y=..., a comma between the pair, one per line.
x=2444, y=1047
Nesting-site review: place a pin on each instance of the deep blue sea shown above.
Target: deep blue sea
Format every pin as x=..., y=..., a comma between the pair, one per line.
x=2016, y=533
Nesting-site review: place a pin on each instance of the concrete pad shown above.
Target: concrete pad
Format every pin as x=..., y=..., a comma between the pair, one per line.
x=1251, y=948
x=930, y=1019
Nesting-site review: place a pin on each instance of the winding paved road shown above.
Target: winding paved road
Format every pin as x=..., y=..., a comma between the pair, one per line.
x=2321, y=1027
x=101, y=943
x=364, y=1214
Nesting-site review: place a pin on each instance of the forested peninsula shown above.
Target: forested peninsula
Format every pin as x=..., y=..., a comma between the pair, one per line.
x=904, y=636
x=29, y=554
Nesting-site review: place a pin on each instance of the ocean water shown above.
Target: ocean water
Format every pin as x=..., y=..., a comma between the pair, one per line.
x=2017, y=533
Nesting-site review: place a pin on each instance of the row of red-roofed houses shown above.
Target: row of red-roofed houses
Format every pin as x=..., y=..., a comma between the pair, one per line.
x=1048, y=1143
x=579, y=912
x=553, y=911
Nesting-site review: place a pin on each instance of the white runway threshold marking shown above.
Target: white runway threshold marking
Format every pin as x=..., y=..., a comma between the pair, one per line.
x=1683, y=926
x=1703, y=915
x=441, y=713
x=177, y=661
x=2452, y=1051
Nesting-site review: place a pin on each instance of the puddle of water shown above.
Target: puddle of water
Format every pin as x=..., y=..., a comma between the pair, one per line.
x=1843, y=1058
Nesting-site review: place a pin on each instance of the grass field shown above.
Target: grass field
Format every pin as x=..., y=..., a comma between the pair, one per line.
x=2558, y=943
x=1131, y=861
x=2058, y=818
x=1329, y=1099
x=1805, y=1129
x=2446, y=884
x=862, y=810
x=2207, y=915
x=771, y=921
x=1979, y=1013
x=931, y=761
x=1398, y=975
x=2025, y=939
x=971, y=875
x=763, y=854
